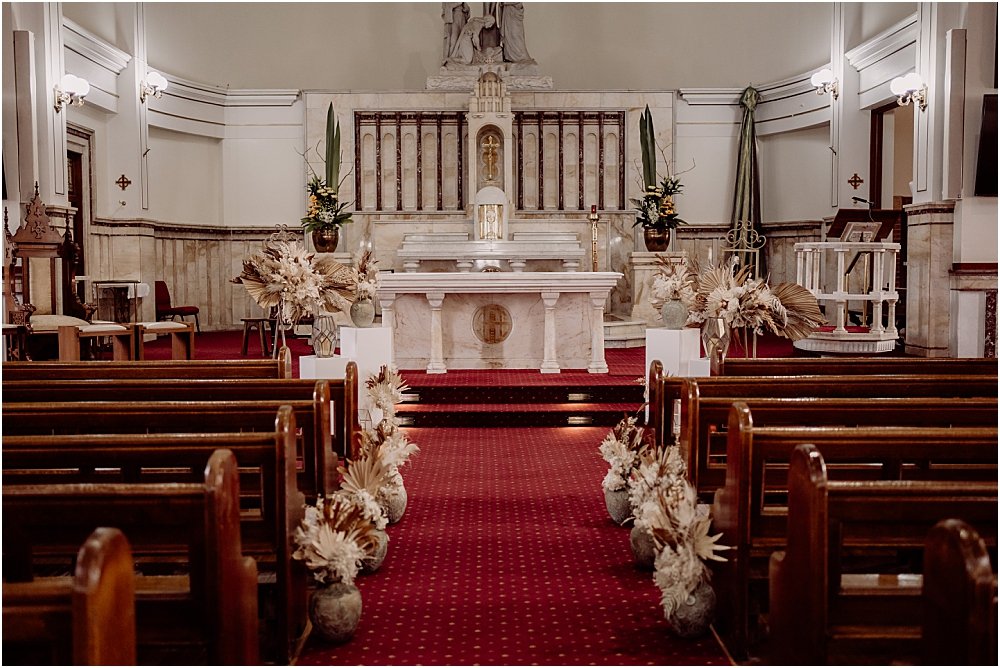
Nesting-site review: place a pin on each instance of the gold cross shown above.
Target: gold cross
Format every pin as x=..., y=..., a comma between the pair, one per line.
x=123, y=182
x=855, y=181
x=490, y=146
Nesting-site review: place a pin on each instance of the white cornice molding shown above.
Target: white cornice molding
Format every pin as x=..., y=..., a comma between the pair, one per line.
x=884, y=44
x=227, y=97
x=769, y=92
x=93, y=48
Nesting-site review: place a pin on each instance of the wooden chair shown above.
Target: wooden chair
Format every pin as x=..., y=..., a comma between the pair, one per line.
x=166, y=311
x=181, y=338
x=40, y=282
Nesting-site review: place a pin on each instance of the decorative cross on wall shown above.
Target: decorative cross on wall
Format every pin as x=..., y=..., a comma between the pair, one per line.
x=123, y=182
x=855, y=181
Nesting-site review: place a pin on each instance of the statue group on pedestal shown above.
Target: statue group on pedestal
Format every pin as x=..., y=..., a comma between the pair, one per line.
x=496, y=36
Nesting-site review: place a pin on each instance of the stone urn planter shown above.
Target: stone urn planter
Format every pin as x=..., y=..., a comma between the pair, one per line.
x=395, y=503
x=643, y=548
x=693, y=616
x=618, y=505
x=335, y=610
x=363, y=312
x=374, y=562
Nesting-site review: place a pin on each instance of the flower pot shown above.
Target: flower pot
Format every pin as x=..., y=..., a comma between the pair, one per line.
x=618, y=505
x=395, y=503
x=694, y=615
x=374, y=562
x=335, y=611
x=324, y=335
x=363, y=312
x=643, y=548
x=674, y=314
x=325, y=241
x=656, y=240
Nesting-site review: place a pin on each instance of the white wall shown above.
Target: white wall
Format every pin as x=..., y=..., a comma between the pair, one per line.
x=794, y=173
x=395, y=46
x=185, y=175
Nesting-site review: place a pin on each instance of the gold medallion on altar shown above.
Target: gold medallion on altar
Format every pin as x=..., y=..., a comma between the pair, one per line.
x=492, y=323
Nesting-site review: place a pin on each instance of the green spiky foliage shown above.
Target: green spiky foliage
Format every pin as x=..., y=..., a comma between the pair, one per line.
x=332, y=150
x=647, y=141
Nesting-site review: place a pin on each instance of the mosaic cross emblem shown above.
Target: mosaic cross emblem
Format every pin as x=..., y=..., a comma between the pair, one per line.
x=492, y=323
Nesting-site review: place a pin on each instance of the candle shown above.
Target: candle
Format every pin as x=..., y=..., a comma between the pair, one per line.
x=593, y=208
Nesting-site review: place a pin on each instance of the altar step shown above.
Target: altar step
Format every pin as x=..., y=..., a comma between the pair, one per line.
x=624, y=333
x=520, y=406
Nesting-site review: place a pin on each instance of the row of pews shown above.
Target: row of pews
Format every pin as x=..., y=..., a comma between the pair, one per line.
x=829, y=478
x=202, y=469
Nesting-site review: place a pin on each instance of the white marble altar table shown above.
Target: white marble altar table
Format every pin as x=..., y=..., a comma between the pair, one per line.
x=497, y=320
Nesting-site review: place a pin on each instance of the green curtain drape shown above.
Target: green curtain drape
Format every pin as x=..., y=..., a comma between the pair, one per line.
x=745, y=227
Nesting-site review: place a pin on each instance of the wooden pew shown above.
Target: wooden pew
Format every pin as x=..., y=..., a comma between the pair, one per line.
x=823, y=612
x=270, y=503
x=703, y=421
x=343, y=393
x=877, y=365
x=750, y=509
x=85, y=620
x=207, y=615
x=242, y=368
x=319, y=474
x=664, y=390
x=959, y=598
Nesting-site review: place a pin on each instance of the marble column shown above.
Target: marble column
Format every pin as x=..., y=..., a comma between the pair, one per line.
x=436, y=364
x=550, y=363
x=597, y=361
x=929, y=258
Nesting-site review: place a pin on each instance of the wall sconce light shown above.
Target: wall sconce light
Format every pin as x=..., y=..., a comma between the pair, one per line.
x=826, y=83
x=154, y=85
x=70, y=90
x=910, y=88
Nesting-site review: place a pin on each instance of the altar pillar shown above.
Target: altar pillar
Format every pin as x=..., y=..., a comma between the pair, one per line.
x=597, y=361
x=550, y=362
x=436, y=364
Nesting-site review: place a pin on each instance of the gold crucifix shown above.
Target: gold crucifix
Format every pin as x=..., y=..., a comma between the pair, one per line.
x=490, y=146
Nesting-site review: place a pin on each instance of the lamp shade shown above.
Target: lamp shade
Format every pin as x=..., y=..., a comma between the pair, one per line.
x=821, y=78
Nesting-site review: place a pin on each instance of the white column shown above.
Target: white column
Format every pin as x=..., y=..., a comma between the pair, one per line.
x=597, y=362
x=388, y=303
x=550, y=364
x=436, y=364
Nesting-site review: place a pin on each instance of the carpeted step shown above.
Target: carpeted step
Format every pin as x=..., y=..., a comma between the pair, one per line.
x=526, y=394
x=513, y=414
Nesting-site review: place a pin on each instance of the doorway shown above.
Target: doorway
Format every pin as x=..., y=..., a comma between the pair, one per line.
x=80, y=194
x=891, y=169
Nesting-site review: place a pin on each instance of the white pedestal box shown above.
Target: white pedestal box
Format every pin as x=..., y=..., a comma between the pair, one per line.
x=675, y=348
x=311, y=366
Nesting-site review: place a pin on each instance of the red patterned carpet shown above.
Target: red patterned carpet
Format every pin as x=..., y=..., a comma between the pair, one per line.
x=507, y=556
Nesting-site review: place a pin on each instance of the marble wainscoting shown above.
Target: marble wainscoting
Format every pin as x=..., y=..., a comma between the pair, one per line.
x=929, y=258
x=526, y=320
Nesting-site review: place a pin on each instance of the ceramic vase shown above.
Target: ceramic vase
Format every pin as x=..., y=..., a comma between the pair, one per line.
x=335, y=610
x=643, y=548
x=395, y=503
x=674, y=314
x=363, y=312
x=693, y=616
x=618, y=505
x=324, y=335
x=374, y=562
x=325, y=241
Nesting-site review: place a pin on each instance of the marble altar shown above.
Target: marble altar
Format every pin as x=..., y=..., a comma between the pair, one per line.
x=497, y=320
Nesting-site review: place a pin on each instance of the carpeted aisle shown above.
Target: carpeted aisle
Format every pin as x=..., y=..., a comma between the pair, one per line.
x=506, y=555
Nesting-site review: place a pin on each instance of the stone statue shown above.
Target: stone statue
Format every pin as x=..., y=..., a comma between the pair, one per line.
x=493, y=36
x=455, y=15
x=468, y=47
x=512, y=27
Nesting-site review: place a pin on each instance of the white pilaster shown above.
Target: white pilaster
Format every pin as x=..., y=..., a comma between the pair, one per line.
x=436, y=364
x=550, y=363
x=597, y=361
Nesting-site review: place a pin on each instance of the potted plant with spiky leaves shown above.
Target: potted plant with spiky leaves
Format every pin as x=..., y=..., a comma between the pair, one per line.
x=327, y=212
x=655, y=210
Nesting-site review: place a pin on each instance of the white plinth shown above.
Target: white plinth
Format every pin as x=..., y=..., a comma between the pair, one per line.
x=369, y=347
x=675, y=348
x=311, y=366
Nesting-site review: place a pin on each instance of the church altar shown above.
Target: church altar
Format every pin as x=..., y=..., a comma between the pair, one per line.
x=497, y=320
